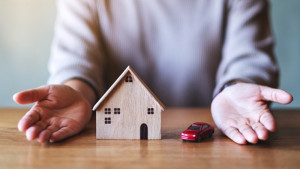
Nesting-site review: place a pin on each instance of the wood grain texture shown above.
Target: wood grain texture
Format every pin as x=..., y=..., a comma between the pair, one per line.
x=133, y=103
x=134, y=100
x=141, y=83
x=281, y=151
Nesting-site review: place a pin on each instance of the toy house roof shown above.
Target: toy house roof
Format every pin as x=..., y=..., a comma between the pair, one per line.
x=139, y=80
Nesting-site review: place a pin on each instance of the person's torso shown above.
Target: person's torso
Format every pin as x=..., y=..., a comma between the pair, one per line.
x=174, y=45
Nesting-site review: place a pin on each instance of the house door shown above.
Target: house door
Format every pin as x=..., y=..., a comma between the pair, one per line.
x=144, y=132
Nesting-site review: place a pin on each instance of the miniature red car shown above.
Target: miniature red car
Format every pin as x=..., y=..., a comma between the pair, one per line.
x=197, y=131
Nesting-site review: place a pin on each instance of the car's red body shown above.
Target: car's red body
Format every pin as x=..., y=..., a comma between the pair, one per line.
x=197, y=131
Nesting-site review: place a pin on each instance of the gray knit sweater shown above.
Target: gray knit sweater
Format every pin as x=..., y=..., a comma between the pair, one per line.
x=184, y=50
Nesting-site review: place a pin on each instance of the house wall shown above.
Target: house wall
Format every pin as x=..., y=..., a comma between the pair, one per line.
x=133, y=101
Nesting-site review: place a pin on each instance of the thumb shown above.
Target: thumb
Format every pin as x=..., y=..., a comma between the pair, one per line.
x=275, y=95
x=32, y=95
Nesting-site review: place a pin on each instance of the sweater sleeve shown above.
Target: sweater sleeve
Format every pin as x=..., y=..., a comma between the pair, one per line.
x=248, y=45
x=76, y=50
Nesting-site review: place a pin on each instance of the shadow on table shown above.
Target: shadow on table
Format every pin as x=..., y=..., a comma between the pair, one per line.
x=287, y=139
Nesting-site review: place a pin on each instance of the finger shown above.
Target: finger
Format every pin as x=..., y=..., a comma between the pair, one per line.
x=235, y=135
x=248, y=133
x=275, y=95
x=260, y=130
x=268, y=121
x=46, y=134
x=33, y=131
x=62, y=133
x=28, y=120
x=31, y=96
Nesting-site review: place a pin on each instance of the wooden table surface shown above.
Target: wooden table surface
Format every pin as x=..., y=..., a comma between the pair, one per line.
x=281, y=151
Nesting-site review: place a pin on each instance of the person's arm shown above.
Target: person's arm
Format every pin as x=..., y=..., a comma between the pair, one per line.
x=63, y=110
x=76, y=49
x=248, y=45
x=241, y=111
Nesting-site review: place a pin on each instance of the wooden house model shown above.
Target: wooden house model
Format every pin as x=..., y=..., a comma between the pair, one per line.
x=128, y=110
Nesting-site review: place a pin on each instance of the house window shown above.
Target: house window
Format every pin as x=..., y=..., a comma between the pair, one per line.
x=150, y=111
x=107, y=120
x=117, y=111
x=107, y=111
x=128, y=79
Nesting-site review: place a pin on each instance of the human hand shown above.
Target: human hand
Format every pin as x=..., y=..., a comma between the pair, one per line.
x=241, y=111
x=59, y=112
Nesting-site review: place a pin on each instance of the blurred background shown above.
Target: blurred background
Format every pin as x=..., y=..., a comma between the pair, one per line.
x=26, y=31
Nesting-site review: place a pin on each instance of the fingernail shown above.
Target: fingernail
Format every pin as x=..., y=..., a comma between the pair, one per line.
x=15, y=97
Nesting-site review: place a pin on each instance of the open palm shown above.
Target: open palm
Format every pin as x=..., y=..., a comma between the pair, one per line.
x=59, y=112
x=241, y=111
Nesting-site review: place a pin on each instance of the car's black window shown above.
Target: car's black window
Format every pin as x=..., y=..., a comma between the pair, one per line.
x=194, y=127
x=205, y=126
